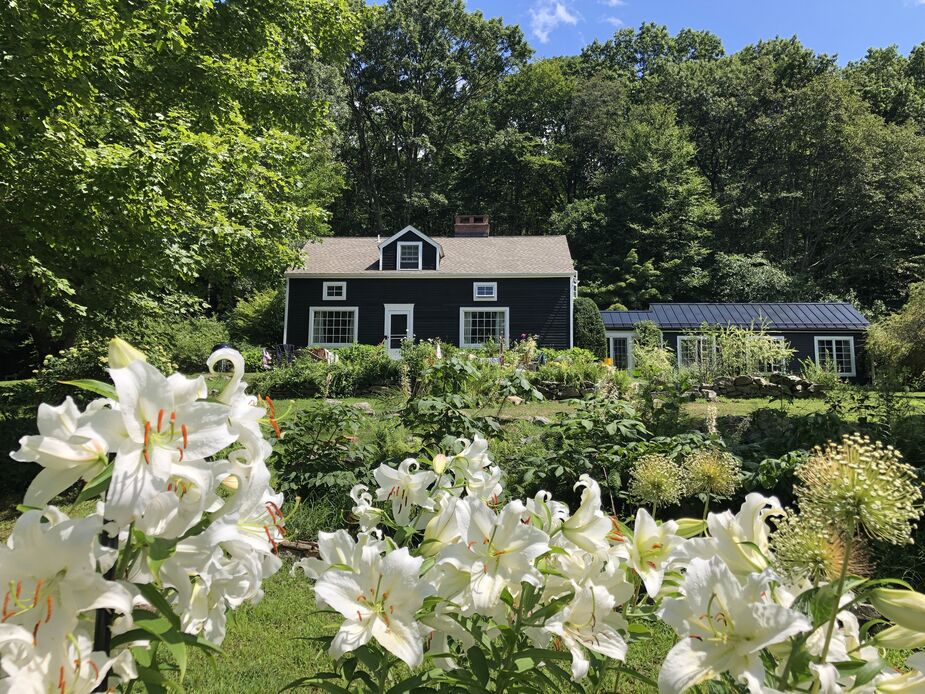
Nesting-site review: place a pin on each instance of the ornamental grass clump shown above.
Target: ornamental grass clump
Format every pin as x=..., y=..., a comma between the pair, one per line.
x=859, y=485
x=657, y=480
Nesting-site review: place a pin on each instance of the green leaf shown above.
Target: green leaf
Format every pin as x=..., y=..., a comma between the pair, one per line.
x=107, y=390
x=316, y=684
x=96, y=486
x=151, y=593
x=478, y=664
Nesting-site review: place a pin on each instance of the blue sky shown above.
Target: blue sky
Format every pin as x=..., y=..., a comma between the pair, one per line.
x=845, y=27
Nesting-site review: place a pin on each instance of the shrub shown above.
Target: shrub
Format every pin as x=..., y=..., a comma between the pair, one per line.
x=190, y=341
x=258, y=318
x=589, y=327
x=825, y=374
x=85, y=359
x=896, y=341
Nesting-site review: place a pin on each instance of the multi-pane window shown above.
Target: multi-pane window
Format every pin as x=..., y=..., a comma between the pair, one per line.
x=485, y=291
x=780, y=366
x=335, y=291
x=333, y=327
x=409, y=256
x=480, y=325
x=837, y=353
x=695, y=350
x=620, y=352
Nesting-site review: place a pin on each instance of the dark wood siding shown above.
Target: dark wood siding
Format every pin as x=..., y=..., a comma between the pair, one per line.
x=805, y=345
x=428, y=250
x=536, y=306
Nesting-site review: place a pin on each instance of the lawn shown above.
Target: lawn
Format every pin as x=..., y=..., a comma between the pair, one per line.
x=270, y=644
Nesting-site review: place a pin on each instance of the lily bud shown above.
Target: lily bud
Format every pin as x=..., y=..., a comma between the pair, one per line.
x=440, y=462
x=899, y=638
x=689, y=527
x=231, y=482
x=904, y=607
x=121, y=353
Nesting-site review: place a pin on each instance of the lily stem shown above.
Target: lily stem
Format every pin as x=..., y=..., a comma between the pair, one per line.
x=849, y=540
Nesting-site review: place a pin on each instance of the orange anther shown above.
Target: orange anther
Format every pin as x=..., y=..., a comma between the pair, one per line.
x=38, y=589
x=185, y=436
x=160, y=419
x=48, y=613
x=147, y=433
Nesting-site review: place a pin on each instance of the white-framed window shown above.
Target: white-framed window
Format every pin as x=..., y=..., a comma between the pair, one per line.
x=620, y=350
x=409, y=255
x=695, y=350
x=478, y=325
x=334, y=291
x=484, y=291
x=837, y=350
x=781, y=366
x=332, y=327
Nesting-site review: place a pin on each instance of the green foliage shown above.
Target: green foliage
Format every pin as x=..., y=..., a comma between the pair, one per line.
x=589, y=327
x=189, y=341
x=318, y=455
x=576, y=367
x=896, y=342
x=747, y=351
x=150, y=150
x=86, y=359
x=824, y=374
x=358, y=369
x=750, y=278
x=258, y=319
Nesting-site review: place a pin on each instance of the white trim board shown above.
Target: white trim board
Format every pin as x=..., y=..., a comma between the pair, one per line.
x=312, y=310
x=483, y=309
x=286, y=316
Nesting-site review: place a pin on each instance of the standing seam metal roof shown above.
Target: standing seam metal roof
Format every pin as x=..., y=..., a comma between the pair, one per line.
x=774, y=316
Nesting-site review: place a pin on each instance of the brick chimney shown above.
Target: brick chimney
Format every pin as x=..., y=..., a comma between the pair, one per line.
x=470, y=225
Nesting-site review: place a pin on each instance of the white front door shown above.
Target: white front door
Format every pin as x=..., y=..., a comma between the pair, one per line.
x=399, y=324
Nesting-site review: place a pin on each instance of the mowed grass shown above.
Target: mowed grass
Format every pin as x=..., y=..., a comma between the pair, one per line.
x=270, y=644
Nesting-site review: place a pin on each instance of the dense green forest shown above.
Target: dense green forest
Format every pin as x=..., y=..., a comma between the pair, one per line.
x=162, y=162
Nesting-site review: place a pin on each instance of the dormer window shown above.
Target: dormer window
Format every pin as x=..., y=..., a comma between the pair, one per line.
x=409, y=255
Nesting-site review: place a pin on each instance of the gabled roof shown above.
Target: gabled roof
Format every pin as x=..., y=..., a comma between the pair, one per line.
x=774, y=316
x=424, y=237
x=470, y=256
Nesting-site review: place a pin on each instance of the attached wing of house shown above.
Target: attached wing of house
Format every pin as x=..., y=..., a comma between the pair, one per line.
x=464, y=289
x=831, y=332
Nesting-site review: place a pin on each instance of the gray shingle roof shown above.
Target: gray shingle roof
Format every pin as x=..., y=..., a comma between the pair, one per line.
x=774, y=316
x=483, y=256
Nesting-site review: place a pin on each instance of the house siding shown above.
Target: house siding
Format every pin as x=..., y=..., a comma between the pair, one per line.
x=536, y=306
x=804, y=344
x=428, y=252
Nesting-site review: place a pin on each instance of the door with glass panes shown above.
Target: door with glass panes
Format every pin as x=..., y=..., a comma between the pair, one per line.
x=399, y=324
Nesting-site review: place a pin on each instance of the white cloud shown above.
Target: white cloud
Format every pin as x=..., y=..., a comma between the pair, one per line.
x=620, y=3
x=547, y=15
x=617, y=22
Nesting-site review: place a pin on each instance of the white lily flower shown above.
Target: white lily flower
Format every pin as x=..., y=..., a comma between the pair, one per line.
x=405, y=487
x=71, y=445
x=742, y=540
x=911, y=682
x=379, y=600
x=165, y=425
x=367, y=515
x=545, y=513
x=588, y=527
x=648, y=550
x=340, y=551
x=474, y=467
x=447, y=525
x=589, y=622
x=49, y=570
x=499, y=552
x=724, y=626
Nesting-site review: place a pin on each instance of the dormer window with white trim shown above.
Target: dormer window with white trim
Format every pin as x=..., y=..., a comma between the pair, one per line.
x=409, y=255
x=484, y=291
x=334, y=291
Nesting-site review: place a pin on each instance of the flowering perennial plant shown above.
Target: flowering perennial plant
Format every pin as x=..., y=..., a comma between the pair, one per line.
x=185, y=528
x=472, y=591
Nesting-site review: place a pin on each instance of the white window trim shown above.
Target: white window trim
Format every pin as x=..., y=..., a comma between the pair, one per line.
x=475, y=291
x=784, y=363
x=630, y=337
x=483, y=309
x=312, y=310
x=325, y=286
x=398, y=246
x=850, y=338
x=420, y=234
x=682, y=338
